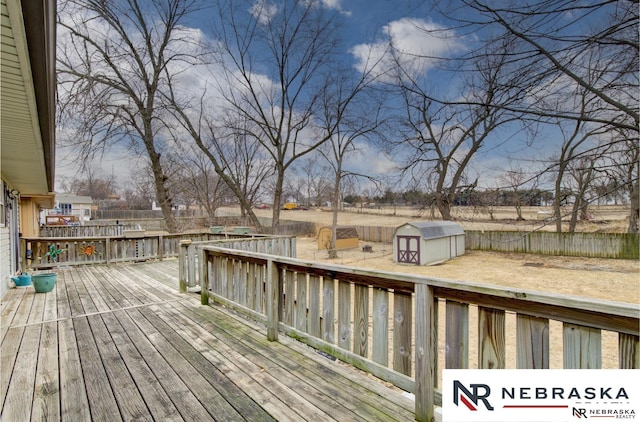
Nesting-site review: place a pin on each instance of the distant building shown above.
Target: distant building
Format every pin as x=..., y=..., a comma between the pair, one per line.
x=68, y=205
x=427, y=242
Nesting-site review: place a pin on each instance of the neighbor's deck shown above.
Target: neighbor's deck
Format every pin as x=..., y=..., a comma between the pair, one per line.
x=120, y=343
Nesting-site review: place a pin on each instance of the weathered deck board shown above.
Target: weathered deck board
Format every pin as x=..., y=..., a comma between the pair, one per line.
x=112, y=343
x=9, y=309
x=46, y=401
x=250, y=370
x=74, y=402
x=246, y=373
x=309, y=375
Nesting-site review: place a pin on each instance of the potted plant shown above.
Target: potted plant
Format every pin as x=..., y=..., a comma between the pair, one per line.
x=45, y=282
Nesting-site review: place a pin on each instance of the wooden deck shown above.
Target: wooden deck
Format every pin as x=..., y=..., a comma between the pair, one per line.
x=120, y=343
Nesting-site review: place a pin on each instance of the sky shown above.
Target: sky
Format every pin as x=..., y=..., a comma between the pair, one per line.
x=368, y=22
x=368, y=26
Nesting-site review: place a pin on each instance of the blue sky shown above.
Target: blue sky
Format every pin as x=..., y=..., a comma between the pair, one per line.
x=368, y=25
x=366, y=22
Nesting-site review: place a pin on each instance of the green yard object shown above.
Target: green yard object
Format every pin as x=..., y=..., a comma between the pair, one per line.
x=53, y=253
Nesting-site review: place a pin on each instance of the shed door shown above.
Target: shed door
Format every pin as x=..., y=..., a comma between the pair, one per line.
x=409, y=249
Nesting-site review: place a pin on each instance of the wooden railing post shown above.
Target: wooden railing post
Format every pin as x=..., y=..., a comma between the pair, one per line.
x=107, y=250
x=204, y=276
x=183, y=265
x=160, y=247
x=425, y=326
x=273, y=300
x=23, y=254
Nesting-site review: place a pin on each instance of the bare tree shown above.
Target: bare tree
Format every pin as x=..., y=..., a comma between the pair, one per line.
x=198, y=183
x=90, y=182
x=113, y=62
x=579, y=141
x=520, y=184
x=583, y=173
x=350, y=114
x=235, y=156
x=275, y=58
x=563, y=49
x=314, y=180
x=559, y=45
x=623, y=173
x=444, y=136
x=139, y=188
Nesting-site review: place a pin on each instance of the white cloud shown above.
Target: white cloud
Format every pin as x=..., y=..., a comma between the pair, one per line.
x=369, y=160
x=335, y=4
x=263, y=12
x=415, y=43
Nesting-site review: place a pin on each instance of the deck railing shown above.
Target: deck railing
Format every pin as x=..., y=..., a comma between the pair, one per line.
x=89, y=230
x=188, y=277
x=108, y=249
x=404, y=328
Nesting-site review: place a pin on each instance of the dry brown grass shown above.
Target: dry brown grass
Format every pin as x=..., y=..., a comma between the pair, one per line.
x=610, y=218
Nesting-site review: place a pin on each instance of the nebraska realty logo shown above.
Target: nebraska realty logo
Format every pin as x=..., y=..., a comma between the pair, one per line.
x=539, y=395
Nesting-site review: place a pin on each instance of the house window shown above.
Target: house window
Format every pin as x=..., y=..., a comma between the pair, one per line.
x=65, y=209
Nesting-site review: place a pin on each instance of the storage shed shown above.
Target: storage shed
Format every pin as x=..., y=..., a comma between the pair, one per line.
x=346, y=237
x=427, y=242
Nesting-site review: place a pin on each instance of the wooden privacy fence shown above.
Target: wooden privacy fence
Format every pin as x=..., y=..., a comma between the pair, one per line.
x=188, y=275
x=388, y=324
x=592, y=245
x=375, y=234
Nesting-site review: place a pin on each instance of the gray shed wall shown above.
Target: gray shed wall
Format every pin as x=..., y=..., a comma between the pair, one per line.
x=431, y=250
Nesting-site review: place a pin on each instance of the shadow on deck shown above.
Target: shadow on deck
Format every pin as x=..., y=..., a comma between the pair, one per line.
x=120, y=343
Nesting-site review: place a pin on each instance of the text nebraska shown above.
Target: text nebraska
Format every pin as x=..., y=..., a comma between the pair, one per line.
x=553, y=393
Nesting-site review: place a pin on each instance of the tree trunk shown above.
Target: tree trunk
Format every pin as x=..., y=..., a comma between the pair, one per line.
x=162, y=193
x=444, y=206
x=277, y=200
x=519, y=212
x=634, y=216
x=557, y=212
x=574, y=215
x=335, y=200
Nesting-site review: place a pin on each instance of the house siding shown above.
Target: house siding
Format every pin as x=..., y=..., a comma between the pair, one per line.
x=5, y=260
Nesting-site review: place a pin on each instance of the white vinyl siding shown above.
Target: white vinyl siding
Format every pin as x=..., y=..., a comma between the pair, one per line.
x=5, y=260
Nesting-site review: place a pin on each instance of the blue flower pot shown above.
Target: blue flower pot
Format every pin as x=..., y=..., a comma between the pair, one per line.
x=45, y=282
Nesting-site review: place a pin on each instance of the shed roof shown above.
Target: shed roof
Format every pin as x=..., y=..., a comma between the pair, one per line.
x=436, y=229
x=73, y=199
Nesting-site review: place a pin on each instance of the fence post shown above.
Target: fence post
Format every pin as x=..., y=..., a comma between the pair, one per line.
x=182, y=268
x=425, y=360
x=273, y=300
